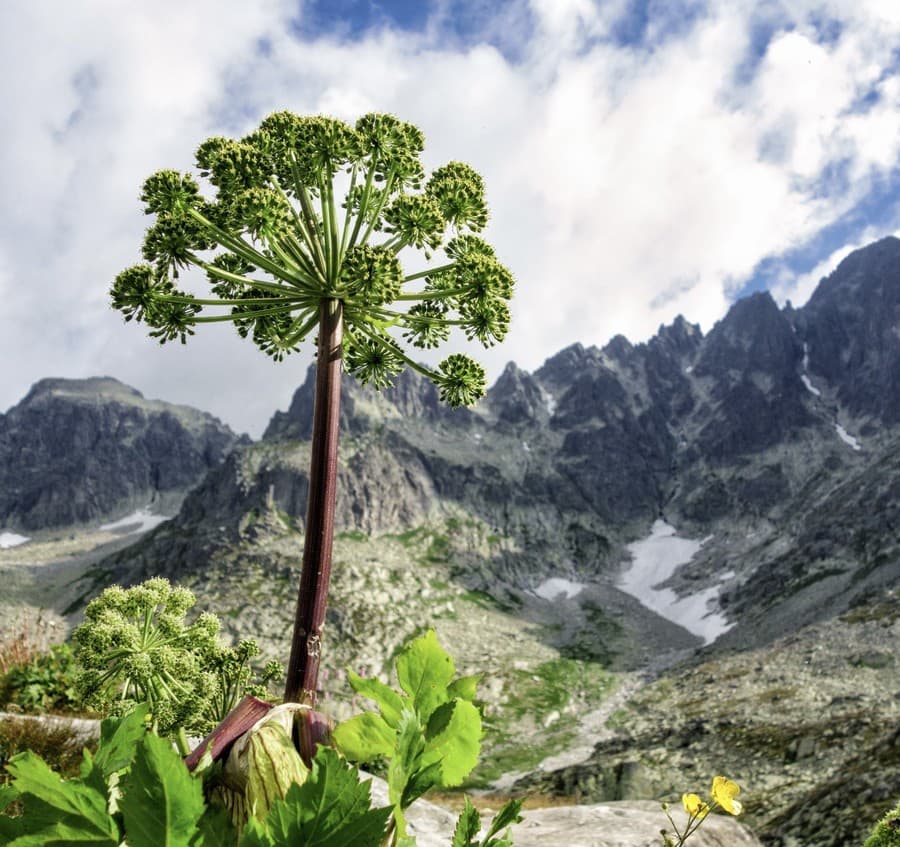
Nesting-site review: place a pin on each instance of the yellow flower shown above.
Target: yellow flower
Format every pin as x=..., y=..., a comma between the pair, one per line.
x=723, y=792
x=694, y=806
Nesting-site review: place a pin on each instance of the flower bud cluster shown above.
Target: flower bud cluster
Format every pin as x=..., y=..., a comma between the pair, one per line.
x=136, y=646
x=276, y=244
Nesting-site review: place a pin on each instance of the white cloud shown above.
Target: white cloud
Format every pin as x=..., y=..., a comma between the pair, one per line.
x=627, y=184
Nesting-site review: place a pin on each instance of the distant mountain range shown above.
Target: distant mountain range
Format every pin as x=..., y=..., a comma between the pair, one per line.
x=775, y=436
x=776, y=433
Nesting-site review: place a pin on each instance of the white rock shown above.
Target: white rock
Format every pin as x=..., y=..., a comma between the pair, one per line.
x=624, y=824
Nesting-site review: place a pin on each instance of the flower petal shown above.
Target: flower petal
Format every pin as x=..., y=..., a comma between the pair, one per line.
x=723, y=792
x=694, y=806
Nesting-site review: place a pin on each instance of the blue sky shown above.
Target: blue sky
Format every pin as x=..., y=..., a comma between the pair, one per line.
x=643, y=158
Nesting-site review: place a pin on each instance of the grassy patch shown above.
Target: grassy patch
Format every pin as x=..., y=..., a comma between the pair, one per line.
x=55, y=743
x=352, y=535
x=536, y=710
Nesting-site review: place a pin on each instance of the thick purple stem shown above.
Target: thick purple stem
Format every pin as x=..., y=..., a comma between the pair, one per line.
x=303, y=667
x=238, y=721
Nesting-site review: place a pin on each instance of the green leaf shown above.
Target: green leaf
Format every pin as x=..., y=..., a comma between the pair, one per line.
x=119, y=740
x=59, y=812
x=422, y=781
x=388, y=700
x=408, y=749
x=424, y=670
x=453, y=740
x=365, y=737
x=510, y=813
x=9, y=827
x=467, y=827
x=161, y=802
x=407, y=778
x=255, y=834
x=464, y=687
x=331, y=809
x=8, y=793
x=215, y=828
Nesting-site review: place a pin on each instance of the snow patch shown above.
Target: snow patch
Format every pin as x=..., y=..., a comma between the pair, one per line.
x=846, y=437
x=689, y=369
x=139, y=521
x=525, y=447
x=806, y=381
x=550, y=402
x=654, y=560
x=11, y=539
x=551, y=588
x=809, y=386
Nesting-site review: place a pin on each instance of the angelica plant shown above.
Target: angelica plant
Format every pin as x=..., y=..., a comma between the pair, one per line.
x=135, y=646
x=300, y=231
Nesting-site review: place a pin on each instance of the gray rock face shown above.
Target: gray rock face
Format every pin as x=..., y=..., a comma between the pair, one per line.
x=75, y=451
x=851, y=325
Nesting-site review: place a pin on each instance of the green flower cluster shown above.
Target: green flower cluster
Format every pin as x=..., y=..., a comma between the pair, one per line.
x=135, y=646
x=276, y=243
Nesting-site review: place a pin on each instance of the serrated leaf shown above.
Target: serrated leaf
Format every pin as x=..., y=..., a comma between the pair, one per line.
x=424, y=670
x=406, y=755
x=389, y=701
x=453, y=739
x=467, y=826
x=59, y=812
x=161, y=802
x=464, y=687
x=365, y=737
x=421, y=782
x=68, y=832
x=510, y=813
x=119, y=738
x=331, y=809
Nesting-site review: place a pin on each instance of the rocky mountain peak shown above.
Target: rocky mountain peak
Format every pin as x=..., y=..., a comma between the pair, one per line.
x=680, y=337
x=557, y=371
x=851, y=327
x=753, y=336
x=516, y=397
x=412, y=396
x=620, y=348
x=76, y=451
x=92, y=389
x=296, y=422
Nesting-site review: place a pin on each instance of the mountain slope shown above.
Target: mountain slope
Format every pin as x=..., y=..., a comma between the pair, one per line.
x=76, y=451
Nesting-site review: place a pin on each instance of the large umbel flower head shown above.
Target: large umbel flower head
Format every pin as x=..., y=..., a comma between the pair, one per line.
x=275, y=243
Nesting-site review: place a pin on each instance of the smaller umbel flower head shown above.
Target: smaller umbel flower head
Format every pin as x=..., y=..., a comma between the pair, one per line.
x=277, y=244
x=135, y=646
